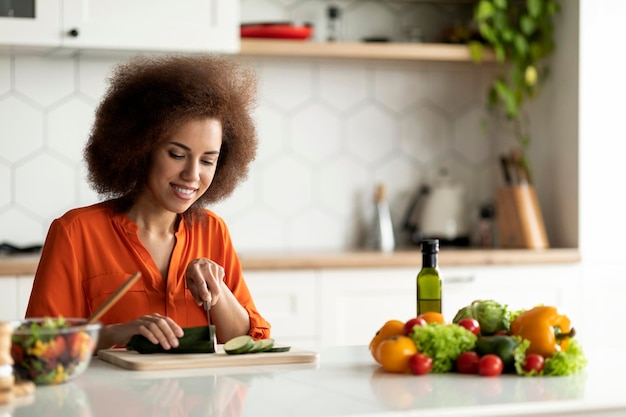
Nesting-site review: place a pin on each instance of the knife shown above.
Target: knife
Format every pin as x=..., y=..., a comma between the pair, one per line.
x=504, y=163
x=207, y=307
x=521, y=169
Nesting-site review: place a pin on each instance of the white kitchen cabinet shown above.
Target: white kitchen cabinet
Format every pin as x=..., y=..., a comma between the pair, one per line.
x=41, y=30
x=151, y=25
x=8, y=303
x=121, y=25
x=290, y=301
x=14, y=295
x=356, y=303
x=518, y=286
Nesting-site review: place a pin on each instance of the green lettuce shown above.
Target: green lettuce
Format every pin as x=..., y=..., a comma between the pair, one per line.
x=566, y=363
x=560, y=364
x=490, y=314
x=443, y=343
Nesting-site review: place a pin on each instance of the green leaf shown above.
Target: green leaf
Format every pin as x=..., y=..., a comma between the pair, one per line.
x=484, y=10
x=507, y=95
x=476, y=51
x=508, y=35
x=534, y=7
x=536, y=51
x=487, y=32
x=500, y=53
x=501, y=22
x=552, y=8
x=521, y=45
x=527, y=25
x=501, y=4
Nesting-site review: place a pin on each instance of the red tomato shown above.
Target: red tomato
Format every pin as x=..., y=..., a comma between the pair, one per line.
x=416, y=321
x=470, y=324
x=420, y=364
x=534, y=362
x=502, y=333
x=490, y=365
x=467, y=363
x=55, y=348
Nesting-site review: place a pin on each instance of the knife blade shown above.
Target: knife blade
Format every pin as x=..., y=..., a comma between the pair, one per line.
x=207, y=308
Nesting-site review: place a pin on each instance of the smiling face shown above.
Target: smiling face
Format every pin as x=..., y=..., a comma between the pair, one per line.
x=183, y=166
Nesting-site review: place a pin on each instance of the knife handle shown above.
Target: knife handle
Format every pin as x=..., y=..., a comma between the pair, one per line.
x=505, y=165
x=517, y=159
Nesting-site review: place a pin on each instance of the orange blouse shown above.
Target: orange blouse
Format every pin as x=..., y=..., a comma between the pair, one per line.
x=90, y=251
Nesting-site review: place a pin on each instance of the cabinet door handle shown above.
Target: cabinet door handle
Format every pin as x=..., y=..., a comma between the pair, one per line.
x=459, y=280
x=73, y=33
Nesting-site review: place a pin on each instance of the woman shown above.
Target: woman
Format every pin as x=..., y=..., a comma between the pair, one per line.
x=171, y=135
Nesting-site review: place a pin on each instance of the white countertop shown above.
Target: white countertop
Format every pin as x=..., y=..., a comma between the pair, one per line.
x=345, y=382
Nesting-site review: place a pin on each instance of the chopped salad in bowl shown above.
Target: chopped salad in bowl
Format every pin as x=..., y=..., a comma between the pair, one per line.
x=52, y=350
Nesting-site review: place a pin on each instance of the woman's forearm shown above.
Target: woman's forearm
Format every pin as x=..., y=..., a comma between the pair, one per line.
x=110, y=336
x=229, y=317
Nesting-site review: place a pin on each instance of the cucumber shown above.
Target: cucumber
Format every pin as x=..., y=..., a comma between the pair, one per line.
x=199, y=339
x=239, y=344
x=266, y=344
x=245, y=344
x=279, y=349
x=258, y=345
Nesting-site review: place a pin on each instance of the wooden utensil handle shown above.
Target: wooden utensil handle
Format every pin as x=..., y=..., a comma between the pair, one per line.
x=113, y=298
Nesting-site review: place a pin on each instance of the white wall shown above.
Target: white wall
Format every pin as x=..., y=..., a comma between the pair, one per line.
x=602, y=138
x=602, y=146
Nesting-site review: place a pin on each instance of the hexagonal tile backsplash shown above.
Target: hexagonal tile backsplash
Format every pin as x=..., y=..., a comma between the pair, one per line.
x=329, y=131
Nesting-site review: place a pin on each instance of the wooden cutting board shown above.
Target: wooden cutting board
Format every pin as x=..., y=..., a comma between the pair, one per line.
x=162, y=361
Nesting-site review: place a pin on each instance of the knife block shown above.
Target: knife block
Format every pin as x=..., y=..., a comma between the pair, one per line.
x=519, y=218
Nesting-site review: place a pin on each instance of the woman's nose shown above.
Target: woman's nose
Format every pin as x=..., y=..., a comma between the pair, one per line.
x=191, y=171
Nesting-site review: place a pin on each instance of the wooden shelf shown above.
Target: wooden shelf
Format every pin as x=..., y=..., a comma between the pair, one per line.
x=409, y=258
x=27, y=264
x=345, y=50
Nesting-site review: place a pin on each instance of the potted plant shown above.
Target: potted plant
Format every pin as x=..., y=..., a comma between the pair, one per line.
x=520, y=33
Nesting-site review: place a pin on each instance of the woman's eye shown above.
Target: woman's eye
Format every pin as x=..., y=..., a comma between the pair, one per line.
x=175, y=155
x=208, y=162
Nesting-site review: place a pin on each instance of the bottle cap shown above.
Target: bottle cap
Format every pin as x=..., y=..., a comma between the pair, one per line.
x=430, y=245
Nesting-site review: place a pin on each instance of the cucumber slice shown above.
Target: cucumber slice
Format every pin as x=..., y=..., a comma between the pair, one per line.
x=238, y=345
x=258, y=345
x=266, y=344
x=279, y=349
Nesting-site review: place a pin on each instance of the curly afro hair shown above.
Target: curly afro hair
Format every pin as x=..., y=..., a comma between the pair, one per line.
x=148, y=99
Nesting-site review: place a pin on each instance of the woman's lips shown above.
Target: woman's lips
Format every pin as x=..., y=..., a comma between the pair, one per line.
x=186, y=193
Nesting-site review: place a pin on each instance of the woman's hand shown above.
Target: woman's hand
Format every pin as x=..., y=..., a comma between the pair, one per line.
x=204, y=279
x=156, y=328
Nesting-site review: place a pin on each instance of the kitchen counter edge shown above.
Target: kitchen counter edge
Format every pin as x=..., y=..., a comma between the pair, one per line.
x=27, y=264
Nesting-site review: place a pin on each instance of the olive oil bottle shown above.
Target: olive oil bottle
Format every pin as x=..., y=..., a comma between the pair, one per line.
x=428, y=279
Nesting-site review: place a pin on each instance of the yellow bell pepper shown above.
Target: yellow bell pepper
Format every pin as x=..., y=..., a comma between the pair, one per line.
x=546, y=330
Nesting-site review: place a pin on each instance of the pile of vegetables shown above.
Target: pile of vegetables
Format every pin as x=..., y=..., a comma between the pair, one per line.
x=484, y=338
